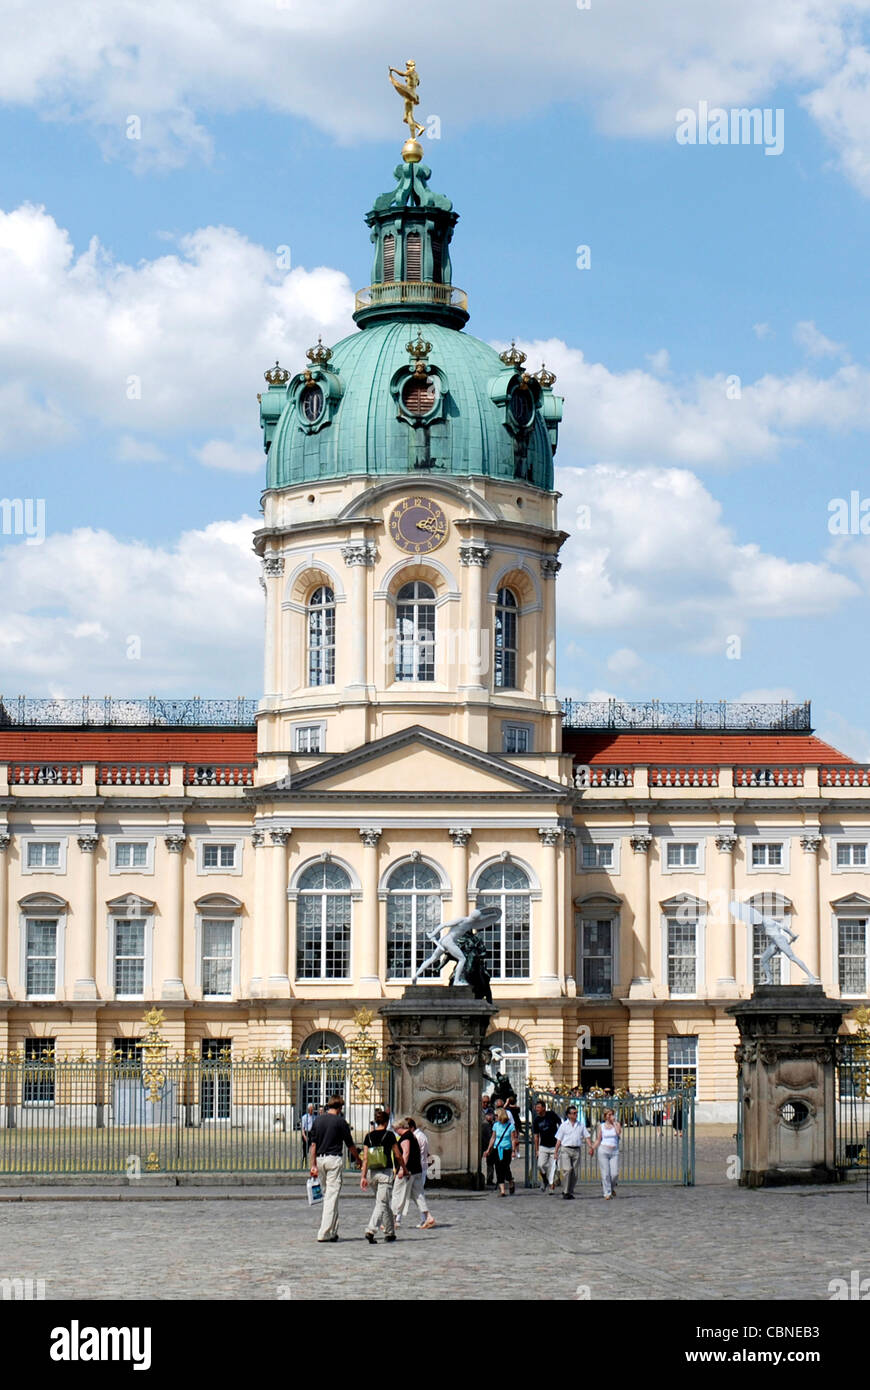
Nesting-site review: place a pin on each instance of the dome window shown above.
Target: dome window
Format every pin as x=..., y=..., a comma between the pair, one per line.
x=389, y=257
x=522, y=404
x=414, y=256
x=418, y=396
x=311, y=402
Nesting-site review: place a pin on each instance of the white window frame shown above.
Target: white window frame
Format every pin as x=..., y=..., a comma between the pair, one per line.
x=604, y=913
x=296, y=729
x=205, y=870
x=678, y=839
x=517, y=726
x=62, y=841
x=599, y=838
x=37, y=912
x=130, y=839
x=119, y=912
x=696, y=1038
x=846, y=839
x=669, y=910
x=842, y=914
x=224, y=912
x=783, y=868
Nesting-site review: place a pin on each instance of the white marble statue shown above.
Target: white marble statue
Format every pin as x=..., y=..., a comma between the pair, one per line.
x=447, y=935
x=779, y=936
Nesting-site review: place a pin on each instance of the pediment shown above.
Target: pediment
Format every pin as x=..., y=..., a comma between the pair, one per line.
x=418, y=762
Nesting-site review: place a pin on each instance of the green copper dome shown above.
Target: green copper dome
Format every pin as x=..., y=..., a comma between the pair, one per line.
x=410, y=392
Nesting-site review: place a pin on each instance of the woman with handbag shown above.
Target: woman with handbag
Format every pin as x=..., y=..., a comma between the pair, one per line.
x=503, y=1145
x=382, y=1157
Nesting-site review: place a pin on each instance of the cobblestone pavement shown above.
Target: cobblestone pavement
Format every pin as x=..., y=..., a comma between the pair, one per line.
x=714, y=1241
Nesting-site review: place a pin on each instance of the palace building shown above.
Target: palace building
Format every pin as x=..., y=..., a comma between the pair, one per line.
x=262, y=873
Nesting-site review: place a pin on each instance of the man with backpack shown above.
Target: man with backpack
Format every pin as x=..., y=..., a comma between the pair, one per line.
x=382, y=1158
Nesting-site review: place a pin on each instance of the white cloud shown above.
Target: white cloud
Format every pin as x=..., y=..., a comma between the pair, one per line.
x=659, y=565
x=659, y=361
x=72, y=604
x=173, y=66
x=132, y=450
x=814, y=342
x=232, y=457
x=152, y=348
x=762, y=330
x=633, y=416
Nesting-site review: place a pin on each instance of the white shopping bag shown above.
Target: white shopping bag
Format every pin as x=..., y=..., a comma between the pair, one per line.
x=315, y=1191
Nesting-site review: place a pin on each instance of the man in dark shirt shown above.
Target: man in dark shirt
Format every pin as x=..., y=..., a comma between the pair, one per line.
x=544, y=1125
x=329, y=1134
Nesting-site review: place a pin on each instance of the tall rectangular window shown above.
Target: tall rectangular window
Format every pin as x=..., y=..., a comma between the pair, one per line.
x=413, y=256
x=597, y=952
x=682, y=1062
x=760, y=943
x=41, y=953
x=217, y=957
x=852, y=952
x=682, y=955
x=389, y=257
x=39, y=1073
x=129, y=958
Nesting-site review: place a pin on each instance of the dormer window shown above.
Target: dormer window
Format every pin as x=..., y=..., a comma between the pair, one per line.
x=311, y=402
x=418, y=396
x=522, y=406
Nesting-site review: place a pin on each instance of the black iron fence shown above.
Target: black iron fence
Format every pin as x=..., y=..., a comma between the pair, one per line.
x=658, y=1134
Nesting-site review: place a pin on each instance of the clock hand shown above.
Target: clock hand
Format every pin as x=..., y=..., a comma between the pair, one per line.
x=430, y=524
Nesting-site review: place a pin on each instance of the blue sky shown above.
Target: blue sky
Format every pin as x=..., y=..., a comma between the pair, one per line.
x=709, y=514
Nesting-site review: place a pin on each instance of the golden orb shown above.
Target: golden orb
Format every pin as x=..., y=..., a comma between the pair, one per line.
x=412, y=152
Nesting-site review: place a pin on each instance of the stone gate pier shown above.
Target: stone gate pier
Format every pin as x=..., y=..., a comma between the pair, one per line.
x=787, y=1084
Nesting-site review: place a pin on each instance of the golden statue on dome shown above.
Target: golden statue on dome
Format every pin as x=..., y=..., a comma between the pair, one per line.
x=412, y=151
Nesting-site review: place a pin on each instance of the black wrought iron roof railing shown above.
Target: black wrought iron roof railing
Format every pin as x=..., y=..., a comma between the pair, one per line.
x=730, y=716
x=110, y=712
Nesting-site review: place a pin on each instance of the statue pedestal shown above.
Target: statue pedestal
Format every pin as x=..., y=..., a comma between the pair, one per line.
x=436, y=1048
x=787, y=1068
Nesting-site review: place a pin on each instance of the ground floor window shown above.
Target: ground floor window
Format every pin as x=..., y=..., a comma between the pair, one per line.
x=682, y=1062
x=324, y=1074
x=215, y=1086
x=38, y=1086
x=127, y=1057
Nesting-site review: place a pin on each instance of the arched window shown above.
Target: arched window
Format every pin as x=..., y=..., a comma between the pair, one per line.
x=324, y=1072
x=321, y=637
x=415, y=632
x=506, y=886
x=323, y=923
x=512, y=1058
x=505, y=654
x=768, y=905
x=413, y=909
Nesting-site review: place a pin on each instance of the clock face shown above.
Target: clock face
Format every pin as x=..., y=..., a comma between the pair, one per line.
x=418, y=525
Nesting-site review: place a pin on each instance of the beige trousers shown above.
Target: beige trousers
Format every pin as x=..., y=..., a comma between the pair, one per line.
x=383, y=1185
x=330, y=1170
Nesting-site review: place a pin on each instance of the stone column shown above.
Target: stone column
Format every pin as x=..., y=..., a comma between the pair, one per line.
x=460, y=835
x=5, y=838
x=641, y=980
x=548, y=926
x=550, y=567
x=278, y=982
x=84, y=953
x=257, y=948
x=358, y=556
x=721, y=969
x=173, y=944
x=368, y=951
x=474, y=555
x=273, y=569
x=808, y=947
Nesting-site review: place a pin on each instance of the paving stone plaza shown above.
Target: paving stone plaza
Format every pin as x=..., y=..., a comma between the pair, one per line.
x=713, y=1242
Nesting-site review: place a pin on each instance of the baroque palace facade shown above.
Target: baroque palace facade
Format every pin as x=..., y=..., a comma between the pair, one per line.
x=262, y=875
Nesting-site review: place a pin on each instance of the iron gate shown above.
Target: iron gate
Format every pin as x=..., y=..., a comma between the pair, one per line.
x=658, y=1134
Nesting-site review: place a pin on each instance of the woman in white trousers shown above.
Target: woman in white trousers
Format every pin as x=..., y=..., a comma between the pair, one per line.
x=606, y=1145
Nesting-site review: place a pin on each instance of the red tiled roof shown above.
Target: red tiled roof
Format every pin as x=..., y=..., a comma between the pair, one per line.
x=127, y=745
x=700, y=750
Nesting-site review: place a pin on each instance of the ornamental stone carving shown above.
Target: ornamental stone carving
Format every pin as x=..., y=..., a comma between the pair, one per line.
x=640, y=841
x=273, y=566
x=175, y=842
x=811, y=842
x=359, y=553
x=279, y=837
x=5, y=838
x=550, y=566
x=460, y=835
x=88, y=843
x=726, y=842
x=549, y=835
x=370, y=836
x=257, y=839
x=473, y=553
